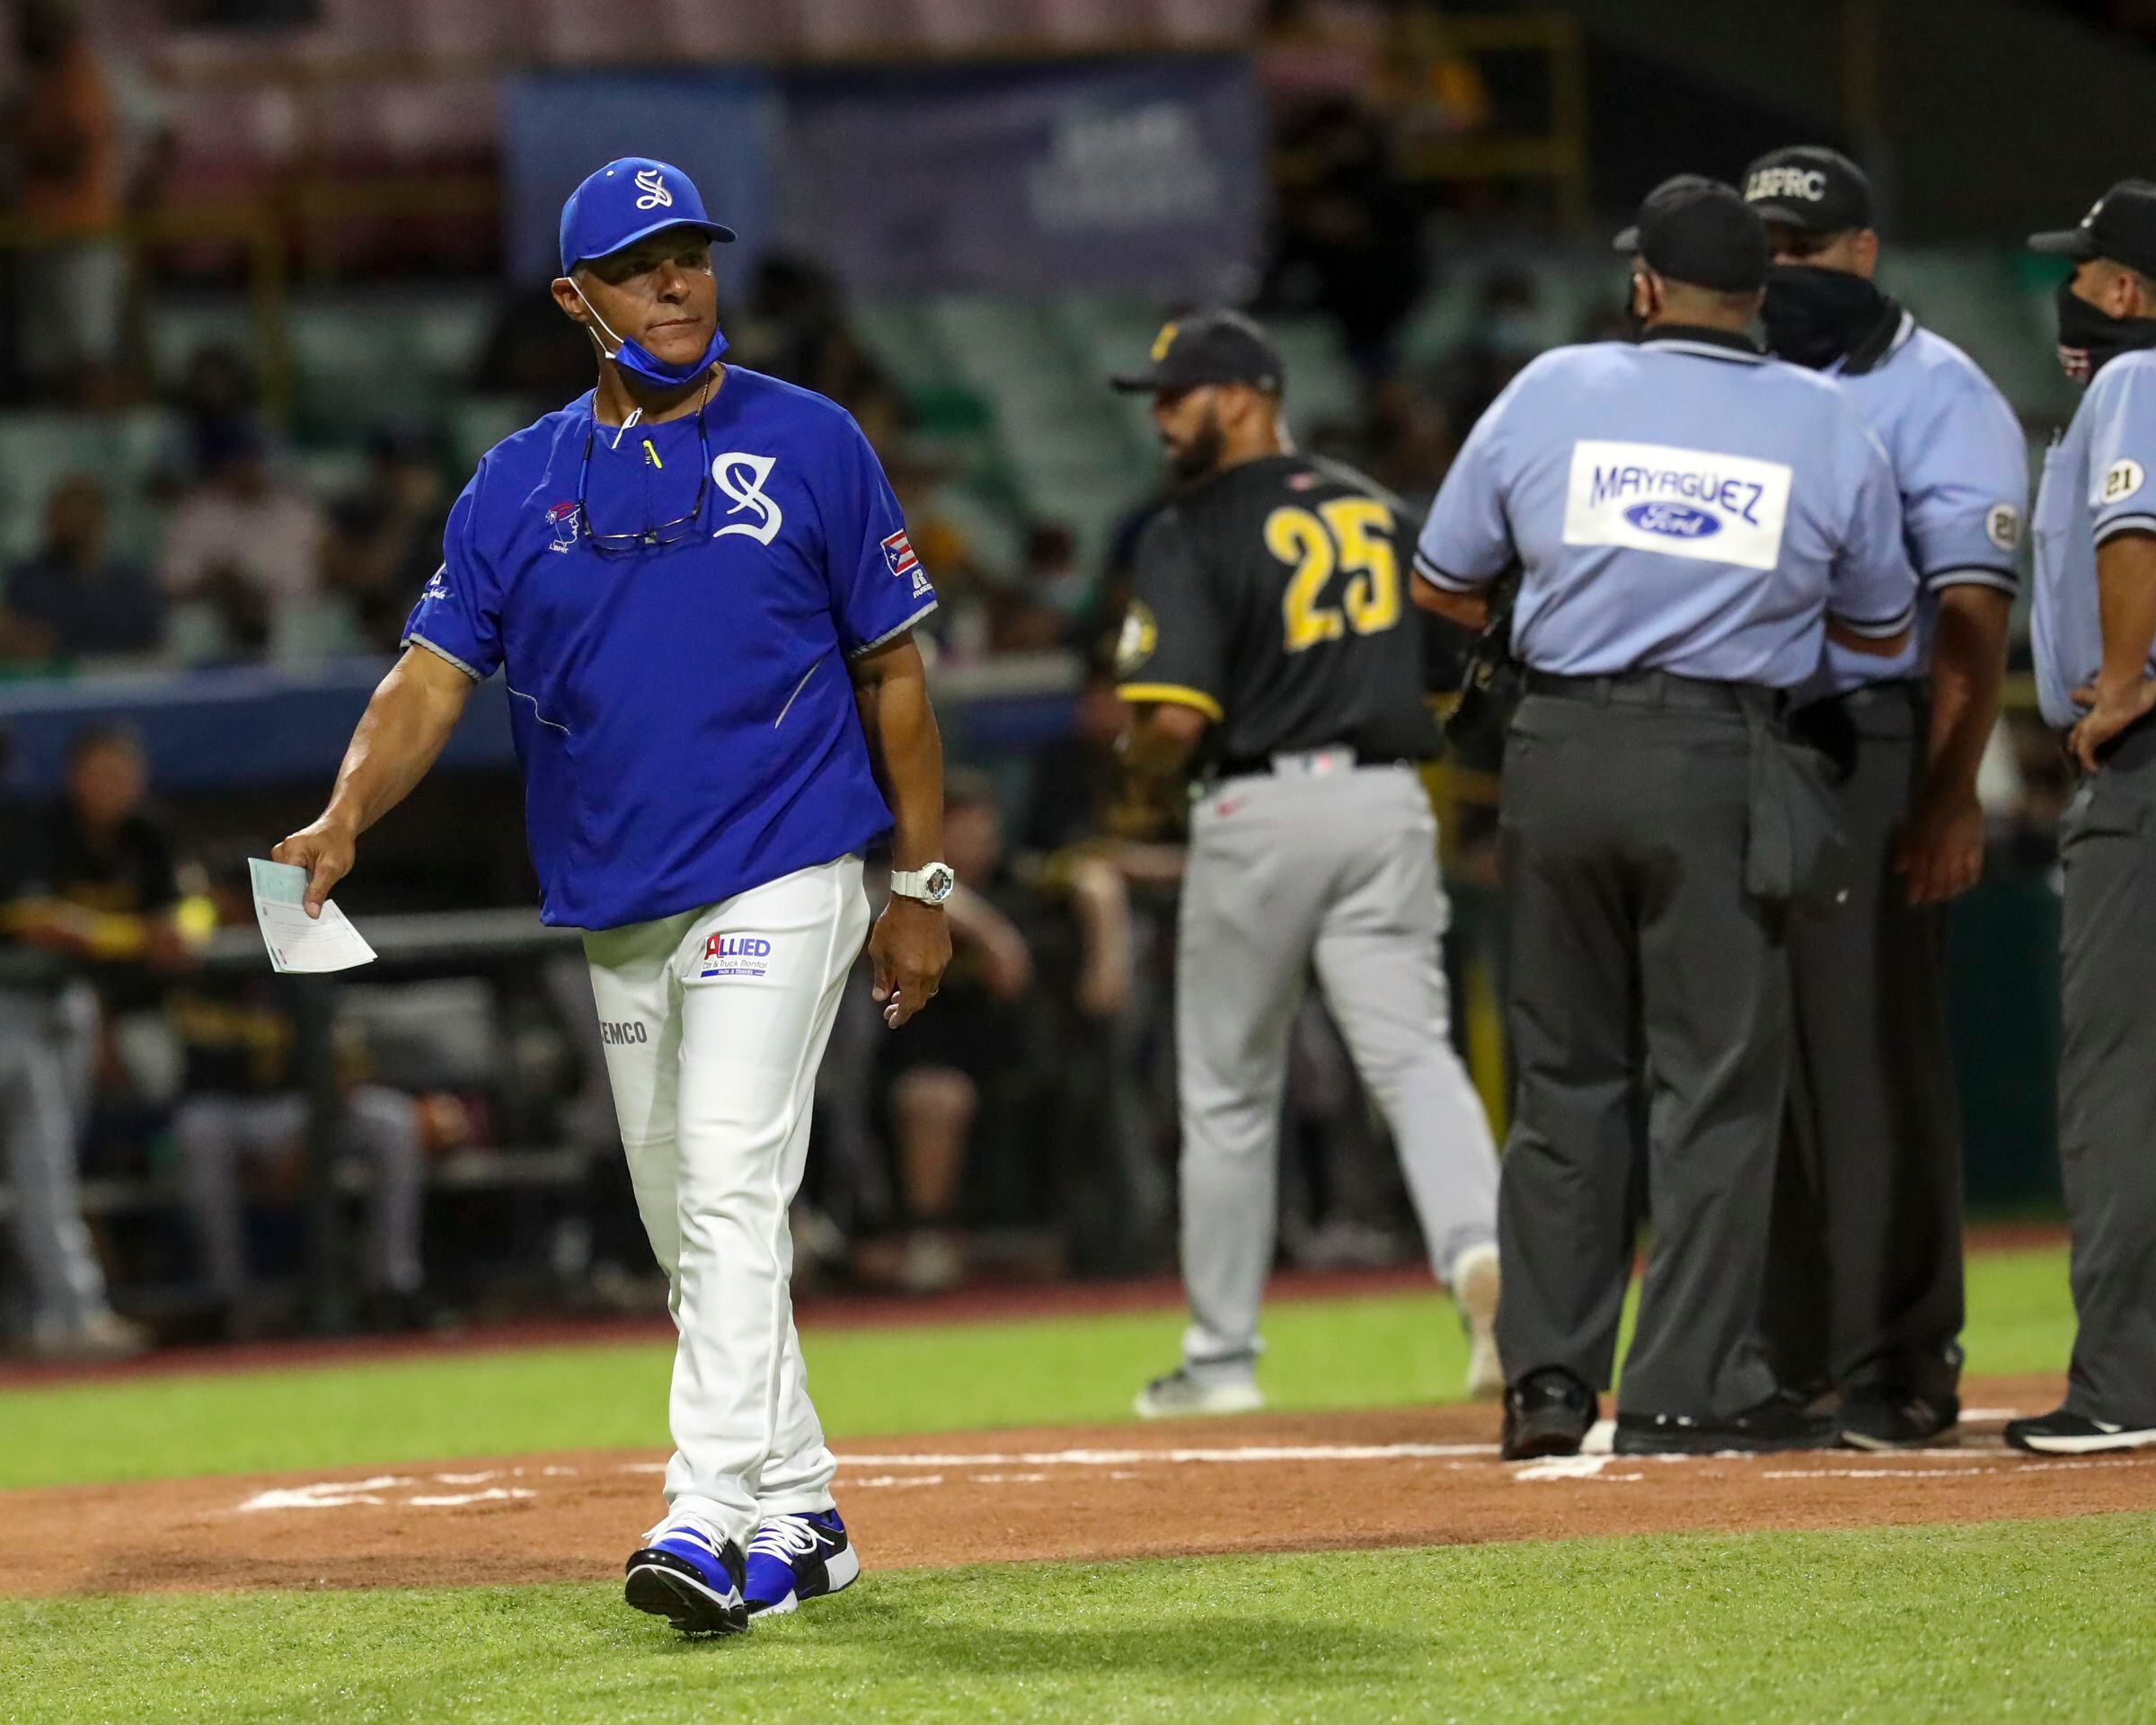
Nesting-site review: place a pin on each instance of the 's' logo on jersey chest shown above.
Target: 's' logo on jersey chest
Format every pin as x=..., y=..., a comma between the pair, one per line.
x=742, y=477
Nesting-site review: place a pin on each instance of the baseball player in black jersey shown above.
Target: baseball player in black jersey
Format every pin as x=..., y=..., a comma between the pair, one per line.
x=1269, y=647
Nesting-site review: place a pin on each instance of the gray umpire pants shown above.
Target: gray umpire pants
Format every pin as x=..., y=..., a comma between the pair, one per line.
x=1864, y=1281
x=41, y=1059
x=1338, y=868
x=2107, y=1083
x=1643, y=974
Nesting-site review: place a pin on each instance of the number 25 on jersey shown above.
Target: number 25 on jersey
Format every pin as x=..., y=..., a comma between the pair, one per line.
x=1347, y=534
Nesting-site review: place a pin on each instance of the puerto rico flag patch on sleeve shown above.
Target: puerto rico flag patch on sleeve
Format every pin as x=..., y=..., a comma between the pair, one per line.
x=898, y=554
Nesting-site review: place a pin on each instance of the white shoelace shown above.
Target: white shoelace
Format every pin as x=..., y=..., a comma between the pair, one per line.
x=787, y=1537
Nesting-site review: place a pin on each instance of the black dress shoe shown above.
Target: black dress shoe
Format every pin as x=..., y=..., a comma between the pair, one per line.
x=1882, y=1417
x=1782, y=1421
x=2061, y=1433
x=1547, y=1412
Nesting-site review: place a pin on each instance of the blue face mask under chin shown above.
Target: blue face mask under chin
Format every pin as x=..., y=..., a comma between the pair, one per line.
x=640, y=362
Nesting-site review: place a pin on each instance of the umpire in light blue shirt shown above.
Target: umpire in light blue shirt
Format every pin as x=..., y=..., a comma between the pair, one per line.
x=1693, y=522
x=1864, y=1283
x=2093, y=631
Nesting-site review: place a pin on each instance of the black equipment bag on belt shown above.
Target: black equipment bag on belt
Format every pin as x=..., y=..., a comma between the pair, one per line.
x=1796, y=850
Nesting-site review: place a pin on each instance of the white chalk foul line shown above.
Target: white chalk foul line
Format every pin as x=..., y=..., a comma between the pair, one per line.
x=331, y=1494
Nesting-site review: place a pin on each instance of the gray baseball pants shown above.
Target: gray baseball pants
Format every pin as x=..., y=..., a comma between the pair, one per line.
x=1642, y=973
x=41, y=1063
x=1864, y=1282
x=1338, y=868
x=2107, y=1083
x=381, y=1127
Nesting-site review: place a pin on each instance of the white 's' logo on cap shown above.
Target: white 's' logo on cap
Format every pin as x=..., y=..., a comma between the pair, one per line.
x=654, y=188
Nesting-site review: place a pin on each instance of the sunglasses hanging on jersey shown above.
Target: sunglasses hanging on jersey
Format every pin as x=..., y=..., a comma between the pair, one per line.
x=664, y=533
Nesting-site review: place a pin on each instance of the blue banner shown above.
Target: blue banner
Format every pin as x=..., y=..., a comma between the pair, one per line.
x=1140, y=177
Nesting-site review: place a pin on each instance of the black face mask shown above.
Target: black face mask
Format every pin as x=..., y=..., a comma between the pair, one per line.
x=2089, y=339
x=1814, y=316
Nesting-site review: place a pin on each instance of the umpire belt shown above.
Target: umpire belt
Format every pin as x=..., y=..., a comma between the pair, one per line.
x=1663, y=689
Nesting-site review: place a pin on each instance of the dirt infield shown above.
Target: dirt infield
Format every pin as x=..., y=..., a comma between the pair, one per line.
x=1267, y=1482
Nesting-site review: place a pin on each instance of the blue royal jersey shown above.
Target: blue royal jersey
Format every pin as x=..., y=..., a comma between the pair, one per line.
x=1682, y=504
x=2096, y=483
x=1962, y=467
x=683, y=714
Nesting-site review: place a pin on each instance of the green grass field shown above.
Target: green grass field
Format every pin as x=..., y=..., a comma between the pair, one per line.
x=2001, y=1620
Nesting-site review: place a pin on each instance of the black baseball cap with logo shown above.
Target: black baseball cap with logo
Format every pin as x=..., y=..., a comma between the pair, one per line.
x=1213, y=347
x=2121, y=226
x=1697, y=230
x=1810, y=187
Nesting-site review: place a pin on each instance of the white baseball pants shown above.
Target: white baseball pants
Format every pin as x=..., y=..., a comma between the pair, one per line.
x=714, y=1023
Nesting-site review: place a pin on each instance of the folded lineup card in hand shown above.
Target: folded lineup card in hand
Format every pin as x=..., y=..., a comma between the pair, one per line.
x=296, y=940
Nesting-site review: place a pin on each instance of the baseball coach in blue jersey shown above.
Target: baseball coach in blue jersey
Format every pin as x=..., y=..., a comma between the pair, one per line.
x=1693, y=522
x=697, y=586
x=2093, y=631
x=1864, y=1283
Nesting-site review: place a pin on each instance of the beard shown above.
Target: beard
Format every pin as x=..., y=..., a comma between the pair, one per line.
x=1201, y=455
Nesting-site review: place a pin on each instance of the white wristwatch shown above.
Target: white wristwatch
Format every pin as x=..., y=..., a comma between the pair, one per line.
x=932, y=883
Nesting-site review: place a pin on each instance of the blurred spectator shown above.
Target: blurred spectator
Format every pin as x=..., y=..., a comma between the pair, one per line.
x=1078, y=780
x=533, y=356
x=385, y=539
x=245, y=1104
x=1348, y=238
x=47, y=1028
x=1409, y=442
x=72, y=600
x=961, y=625
x=115, y=881
x=937, y=1069
x=242, y=544
x=1053, y=577
x=68, y=136
x=218, y=405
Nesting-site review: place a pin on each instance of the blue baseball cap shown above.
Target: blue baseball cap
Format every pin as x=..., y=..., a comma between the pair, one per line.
x=629, y=201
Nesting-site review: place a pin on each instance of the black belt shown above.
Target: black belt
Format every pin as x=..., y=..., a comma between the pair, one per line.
x=1894, y=692
x=1244, y=766
x=1664, y=689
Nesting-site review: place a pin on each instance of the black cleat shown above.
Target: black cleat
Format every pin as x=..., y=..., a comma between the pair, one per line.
x=1782, y=1421
x=1881, y=1416
x=692, y=1580
x=1548, y=1412
x=2062, y=1433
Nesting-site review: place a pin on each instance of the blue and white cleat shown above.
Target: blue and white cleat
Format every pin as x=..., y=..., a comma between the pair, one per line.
x=691, y=1577
x=793, y=1558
